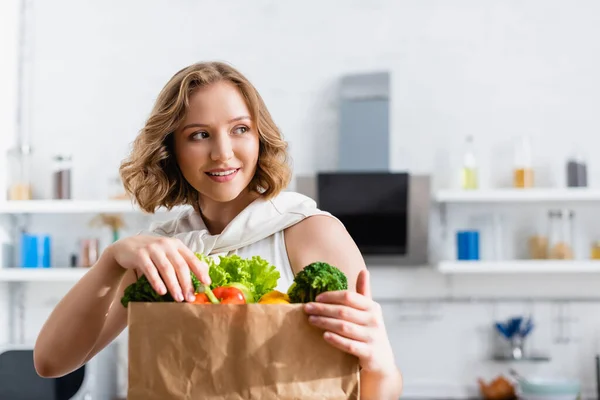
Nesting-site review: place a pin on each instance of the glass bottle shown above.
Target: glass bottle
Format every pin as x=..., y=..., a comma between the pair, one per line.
x=116, y=189
x=560, y=235
x=523, y=169
x=20, y=175
x=569, y=232
x=595, y=252
x=468, y=173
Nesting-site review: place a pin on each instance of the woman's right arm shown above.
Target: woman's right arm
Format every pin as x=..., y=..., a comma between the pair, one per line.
x=90, y=316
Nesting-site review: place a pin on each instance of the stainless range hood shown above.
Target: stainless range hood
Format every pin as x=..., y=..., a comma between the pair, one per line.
x=364, y=160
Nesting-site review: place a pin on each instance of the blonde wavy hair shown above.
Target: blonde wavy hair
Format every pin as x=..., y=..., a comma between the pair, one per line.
x=150, y=173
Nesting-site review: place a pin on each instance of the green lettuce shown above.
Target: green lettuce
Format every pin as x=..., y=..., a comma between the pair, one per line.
x=255, y=273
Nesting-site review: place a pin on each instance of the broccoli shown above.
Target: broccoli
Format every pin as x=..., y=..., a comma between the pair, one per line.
x=142, y=291
x=315, y=279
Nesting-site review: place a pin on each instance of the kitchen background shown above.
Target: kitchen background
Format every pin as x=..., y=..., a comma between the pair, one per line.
x=502, y=86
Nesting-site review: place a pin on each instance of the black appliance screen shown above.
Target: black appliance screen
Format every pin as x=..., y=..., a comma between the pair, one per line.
x=373, y=207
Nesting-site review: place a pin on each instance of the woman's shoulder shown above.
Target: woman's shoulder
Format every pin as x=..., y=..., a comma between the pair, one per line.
x=318, y=233
x=317, y=228
x=323, y=238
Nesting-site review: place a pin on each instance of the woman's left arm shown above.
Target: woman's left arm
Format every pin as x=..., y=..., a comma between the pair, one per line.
x=351, y=320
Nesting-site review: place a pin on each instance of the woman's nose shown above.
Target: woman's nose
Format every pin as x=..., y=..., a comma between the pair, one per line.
x=222, y=149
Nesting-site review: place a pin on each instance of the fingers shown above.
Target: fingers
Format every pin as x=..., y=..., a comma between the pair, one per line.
x=345, y=297
x=167, y=263
x=361, y=350
x=341, y=327
x=199, y=268
x=341, y=312
x=363, y=283
x=167, y=271
x=182, y=272
x=151, y=273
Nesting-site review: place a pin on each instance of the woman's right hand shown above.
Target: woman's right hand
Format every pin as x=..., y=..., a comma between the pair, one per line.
x=166, y=262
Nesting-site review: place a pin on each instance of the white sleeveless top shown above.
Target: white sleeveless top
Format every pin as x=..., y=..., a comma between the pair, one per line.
x=257, y=231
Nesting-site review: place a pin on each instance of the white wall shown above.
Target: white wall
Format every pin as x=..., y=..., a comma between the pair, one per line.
x=491, y=69
x=487, y=68
x=9, y=34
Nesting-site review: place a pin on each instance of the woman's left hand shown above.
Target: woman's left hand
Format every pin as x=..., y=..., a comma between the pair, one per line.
x=353, y=322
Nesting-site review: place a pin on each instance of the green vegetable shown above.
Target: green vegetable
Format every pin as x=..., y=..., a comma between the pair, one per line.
x=142, y=291
x=315, y=279
x=254, y=276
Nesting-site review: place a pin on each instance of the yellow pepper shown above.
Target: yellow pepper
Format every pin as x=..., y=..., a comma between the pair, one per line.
x=274, y=297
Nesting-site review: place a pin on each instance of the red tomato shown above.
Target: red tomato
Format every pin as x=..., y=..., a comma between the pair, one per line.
x=201, y=298
x=229, y=295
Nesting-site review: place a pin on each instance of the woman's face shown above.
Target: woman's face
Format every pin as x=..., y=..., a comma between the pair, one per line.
x=217, y=144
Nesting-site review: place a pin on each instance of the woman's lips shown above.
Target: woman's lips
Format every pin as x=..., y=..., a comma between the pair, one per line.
x=222, y=175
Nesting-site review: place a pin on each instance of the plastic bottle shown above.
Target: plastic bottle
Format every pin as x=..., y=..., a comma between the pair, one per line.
x=468, y=173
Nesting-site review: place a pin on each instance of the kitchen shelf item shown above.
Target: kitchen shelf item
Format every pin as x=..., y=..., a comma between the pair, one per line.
x=89, y=252
x=549, y=387
x=523, y=175
x=515, y=330
x=538, y=247
x=467, y=245
x=576, y=170
x=595, y=250
x=20, y=174
x=498, y=389
x=468, y=172
x=62, y=177
x=560, y=235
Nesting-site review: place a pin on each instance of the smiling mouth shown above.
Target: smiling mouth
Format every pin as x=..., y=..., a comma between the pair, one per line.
x=223, y=173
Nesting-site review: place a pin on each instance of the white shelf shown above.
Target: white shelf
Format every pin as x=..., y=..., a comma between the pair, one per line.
x=519, y=267
x=518, y=195
x=72, y=206
x=41, y=274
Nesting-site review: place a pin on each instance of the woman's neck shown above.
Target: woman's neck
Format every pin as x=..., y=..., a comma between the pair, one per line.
x=218, y=215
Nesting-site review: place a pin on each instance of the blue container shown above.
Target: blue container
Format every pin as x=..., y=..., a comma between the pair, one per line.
x=35, y=251
x=467, y=244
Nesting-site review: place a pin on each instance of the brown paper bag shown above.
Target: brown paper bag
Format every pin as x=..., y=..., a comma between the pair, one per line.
x=232, y=352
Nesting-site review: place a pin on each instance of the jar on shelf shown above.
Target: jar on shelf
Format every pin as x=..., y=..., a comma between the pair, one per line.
x=538, y=247
x=576, y=170
x=62, y=177
x=560, y=235
x=89, y=252
x=116, y=190
x=523, y=176
x=19, y=184
x=595, y=252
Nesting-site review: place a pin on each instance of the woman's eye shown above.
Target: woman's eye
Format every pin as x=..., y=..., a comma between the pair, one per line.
x=200, y=135
x=240, y=130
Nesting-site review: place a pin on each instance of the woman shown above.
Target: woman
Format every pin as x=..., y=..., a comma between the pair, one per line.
x=211, y=143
